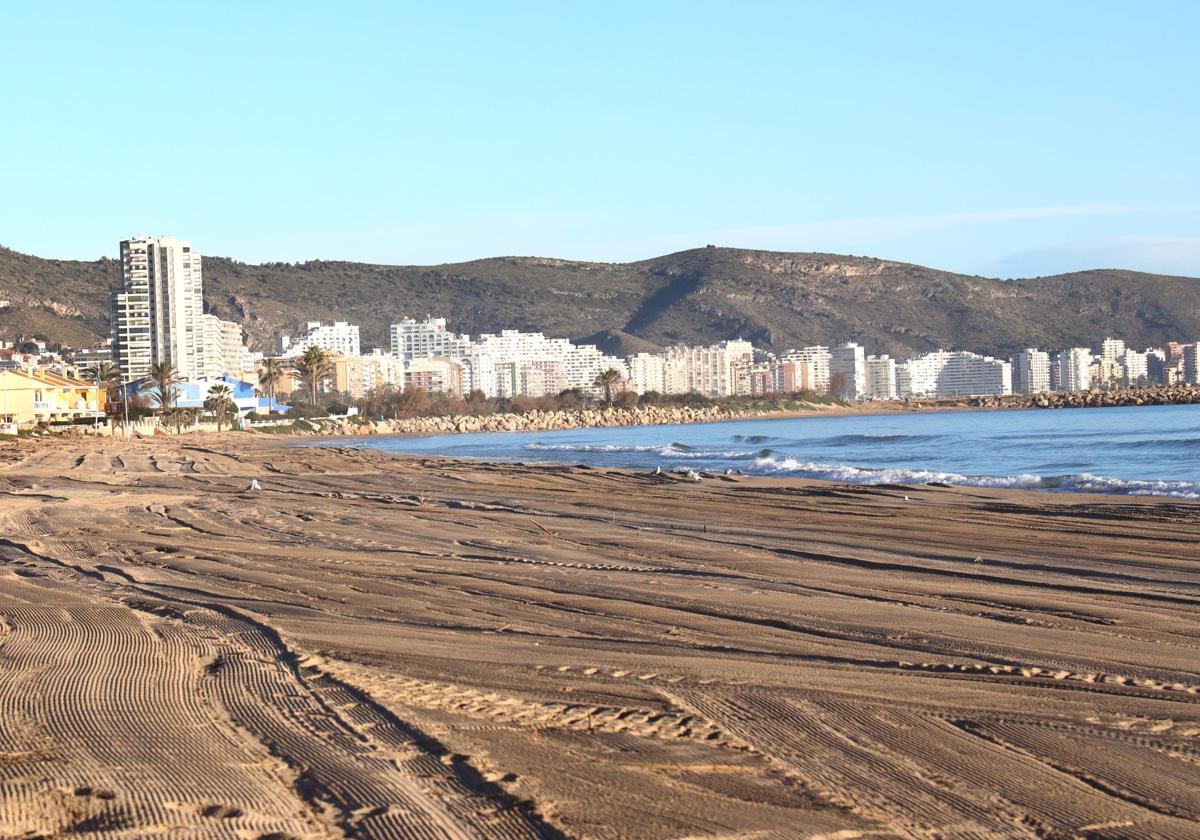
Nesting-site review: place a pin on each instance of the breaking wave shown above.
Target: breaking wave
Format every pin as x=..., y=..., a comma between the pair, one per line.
x=670, y=450
x=1074, y=482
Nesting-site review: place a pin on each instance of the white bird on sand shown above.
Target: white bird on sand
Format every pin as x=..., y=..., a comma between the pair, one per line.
x=693, y=475
x=254, y=485
x=658, y=470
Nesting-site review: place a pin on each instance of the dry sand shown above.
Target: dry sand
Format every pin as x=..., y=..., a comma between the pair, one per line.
x=380, y=647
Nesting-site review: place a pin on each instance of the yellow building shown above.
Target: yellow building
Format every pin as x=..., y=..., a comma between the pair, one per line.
x=45, y=397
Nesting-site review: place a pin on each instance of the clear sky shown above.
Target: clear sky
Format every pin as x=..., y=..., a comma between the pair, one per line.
x=999, y=138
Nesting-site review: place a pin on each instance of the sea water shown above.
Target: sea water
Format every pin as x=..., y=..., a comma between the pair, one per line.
x=1148, y=450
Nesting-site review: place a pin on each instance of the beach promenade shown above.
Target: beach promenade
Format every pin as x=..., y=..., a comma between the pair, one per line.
x=371, y=646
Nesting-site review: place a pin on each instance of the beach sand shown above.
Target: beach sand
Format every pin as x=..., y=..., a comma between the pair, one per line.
x=397, y=647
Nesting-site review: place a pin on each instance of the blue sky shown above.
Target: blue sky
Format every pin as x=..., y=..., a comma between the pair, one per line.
x=994, y=138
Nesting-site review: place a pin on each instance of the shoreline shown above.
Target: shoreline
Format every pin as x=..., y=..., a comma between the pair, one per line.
x=697, y=458
x=681, y=415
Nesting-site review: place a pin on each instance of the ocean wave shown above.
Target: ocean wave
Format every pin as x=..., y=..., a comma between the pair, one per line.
x=670, y=450
x=587, y=447
x=1173, y=444
x=851, y=440
x=751, y=438
x=1075, y=482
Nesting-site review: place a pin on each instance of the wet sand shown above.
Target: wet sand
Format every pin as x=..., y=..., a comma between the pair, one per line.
x=412, y=648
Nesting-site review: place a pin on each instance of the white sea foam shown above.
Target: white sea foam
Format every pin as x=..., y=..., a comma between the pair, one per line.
x=670, y=450
x=1079, y=482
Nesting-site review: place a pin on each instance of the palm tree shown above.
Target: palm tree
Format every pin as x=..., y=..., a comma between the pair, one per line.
x=312, y=369
x=269, y=377
x=165, y=378
x=606, y=379
x=106, y=372
x=219, y=401
x=109, y=375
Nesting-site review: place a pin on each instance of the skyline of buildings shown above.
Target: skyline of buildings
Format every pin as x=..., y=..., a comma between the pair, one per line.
x=157, y=315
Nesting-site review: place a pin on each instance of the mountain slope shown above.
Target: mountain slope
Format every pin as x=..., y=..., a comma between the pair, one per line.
x=777, y=300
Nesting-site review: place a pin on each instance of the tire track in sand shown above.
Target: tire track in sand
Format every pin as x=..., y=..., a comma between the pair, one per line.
x=237, y=740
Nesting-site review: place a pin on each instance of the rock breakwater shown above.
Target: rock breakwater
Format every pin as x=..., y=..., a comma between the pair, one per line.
x=1095, y=398
x=533, y=421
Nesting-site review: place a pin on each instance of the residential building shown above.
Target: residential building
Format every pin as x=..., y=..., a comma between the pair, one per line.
x=953, y=374
x=193, y=394
x=338, y=337
x=435, y=375
x=702, y=370
x=583, y=362
x=880, y=378
x=1111, y=350
x=1031, y=371
x=412, y=339
x=1074, y=369
x=358, y=375
x=156, y=312
x=223, y=350
x=1191, y=362
x=848, y=371
x=817, y=359
x=233, y=349
x=647, y=373
x=90, y=357
x=1156, y=366
x=41, y=396
x=1136, y=367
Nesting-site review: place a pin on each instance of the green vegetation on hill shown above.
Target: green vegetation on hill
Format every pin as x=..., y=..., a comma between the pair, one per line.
x=777, y=300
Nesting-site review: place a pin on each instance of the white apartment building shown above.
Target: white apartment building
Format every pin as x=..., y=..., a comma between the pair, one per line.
x=156, y=312
x=880, y=378
x=647, y=372
x=1074, y=369
x=702, y=370
x=411, y=339
x=848, y=370
x=1135, y=367
x=508, y=356
x=222, y=349
x=1031, y=371
x=582, y=364
x=1111, y=350
x=339, y=337
x=954, y=374
x=817, y=359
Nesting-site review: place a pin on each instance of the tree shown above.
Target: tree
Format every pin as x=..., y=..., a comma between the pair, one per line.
x=269, y=377
x=311, y=370
x=108, y=376
x=839, y=385
x=606, y=379
x=165, y=378
x=219, y=402
x=105, y=373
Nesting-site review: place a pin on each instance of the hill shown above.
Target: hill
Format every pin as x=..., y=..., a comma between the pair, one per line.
x=777, y=300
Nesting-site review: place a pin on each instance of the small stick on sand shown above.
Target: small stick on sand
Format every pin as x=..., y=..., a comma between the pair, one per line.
x=543, y=528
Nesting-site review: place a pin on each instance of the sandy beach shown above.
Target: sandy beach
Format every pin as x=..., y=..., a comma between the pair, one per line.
x=370, y=646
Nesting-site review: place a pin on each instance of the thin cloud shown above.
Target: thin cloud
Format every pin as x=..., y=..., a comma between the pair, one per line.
x=1178, y=255
x=859, y=234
